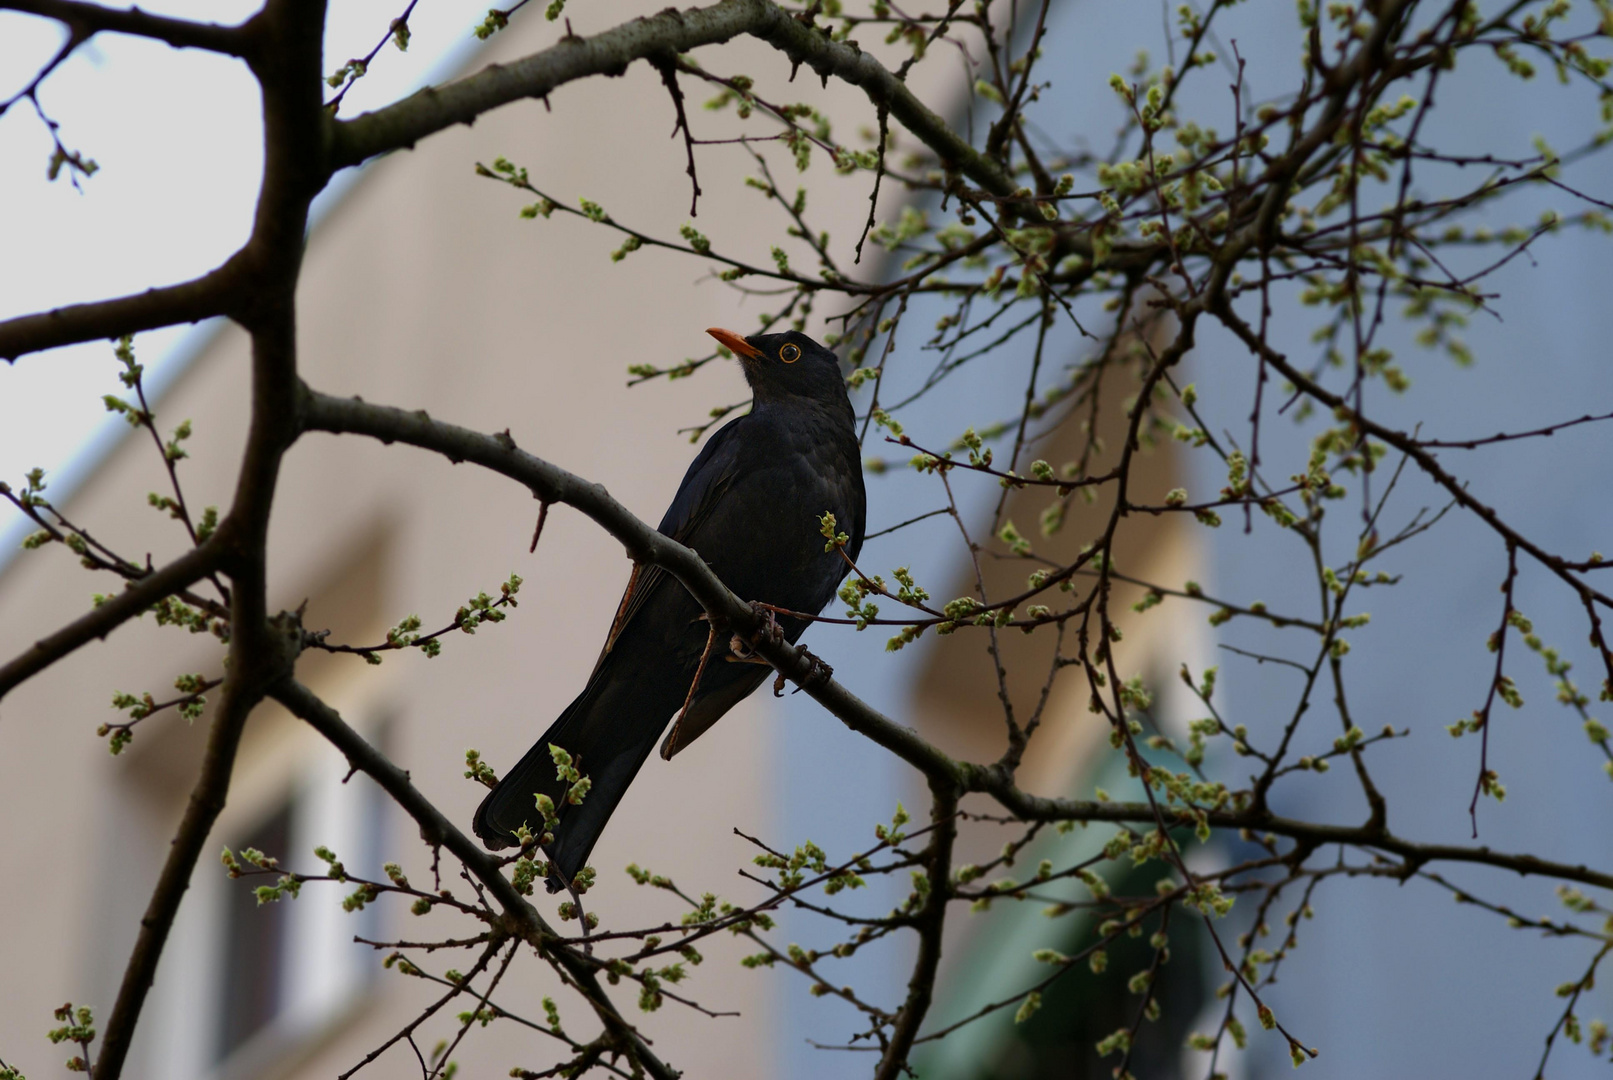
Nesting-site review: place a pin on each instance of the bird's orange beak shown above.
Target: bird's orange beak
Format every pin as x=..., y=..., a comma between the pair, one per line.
x=734, y=342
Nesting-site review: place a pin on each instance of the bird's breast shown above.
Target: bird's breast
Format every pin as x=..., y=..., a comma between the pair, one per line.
x=765, y=540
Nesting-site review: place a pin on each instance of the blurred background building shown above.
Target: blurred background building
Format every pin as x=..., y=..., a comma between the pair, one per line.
x=423, y=288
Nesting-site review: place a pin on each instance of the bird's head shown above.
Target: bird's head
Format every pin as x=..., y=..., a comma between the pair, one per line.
x=784, y=365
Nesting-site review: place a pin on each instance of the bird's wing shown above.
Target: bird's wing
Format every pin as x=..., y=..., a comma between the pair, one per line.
x=709, y=476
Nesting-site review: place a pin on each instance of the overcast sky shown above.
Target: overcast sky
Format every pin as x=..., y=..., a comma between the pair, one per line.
x=176, y=134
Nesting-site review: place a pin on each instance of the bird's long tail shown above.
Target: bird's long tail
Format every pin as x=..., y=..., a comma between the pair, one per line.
x=609, y=731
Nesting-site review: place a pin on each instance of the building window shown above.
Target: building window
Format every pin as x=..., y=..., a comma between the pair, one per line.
x=245, y=987
x=255, y=942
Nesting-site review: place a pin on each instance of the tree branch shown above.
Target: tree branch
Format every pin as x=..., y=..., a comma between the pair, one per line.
x=1311, y=834
x=305, y=143
x=180, y=33
x=183, y=571
x=322, y=412
x=813, y=47
x=263, y=650
x=189, y=301
x=400, y=125
x=1409, y=446
x=436, y=830
x=552, y=484
x=930, y=921
x=430, y=110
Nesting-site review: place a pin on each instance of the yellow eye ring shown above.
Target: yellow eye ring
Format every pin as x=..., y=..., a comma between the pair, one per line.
x=790, y=354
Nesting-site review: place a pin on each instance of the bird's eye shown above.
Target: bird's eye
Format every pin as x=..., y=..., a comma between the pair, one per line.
x=790, y=354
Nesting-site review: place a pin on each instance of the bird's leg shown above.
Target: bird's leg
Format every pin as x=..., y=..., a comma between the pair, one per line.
x=744, y=652
x=771, y=631
x=819, y=672
x=740, y=650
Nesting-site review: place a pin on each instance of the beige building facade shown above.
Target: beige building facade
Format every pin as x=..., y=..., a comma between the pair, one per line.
x=424, y=288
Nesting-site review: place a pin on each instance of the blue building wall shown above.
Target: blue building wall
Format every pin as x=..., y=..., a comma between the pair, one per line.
x=1401, y=981
x=1388, y=980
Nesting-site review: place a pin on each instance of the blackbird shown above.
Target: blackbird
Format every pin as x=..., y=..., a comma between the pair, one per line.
x=750, y=507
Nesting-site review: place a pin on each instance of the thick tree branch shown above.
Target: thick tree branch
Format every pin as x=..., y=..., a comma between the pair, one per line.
x=403, y=124
x=550, y=483
x=432, y=109
x=89, y=19
x=189, y=301
x=435, y=829
x=131, y=602
x=1308, y=834
x=262, y=650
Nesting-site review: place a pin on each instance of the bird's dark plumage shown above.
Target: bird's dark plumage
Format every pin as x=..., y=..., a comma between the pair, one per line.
x=749, y=505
